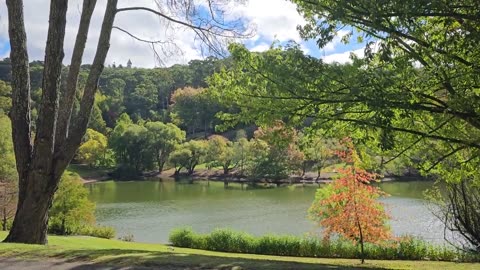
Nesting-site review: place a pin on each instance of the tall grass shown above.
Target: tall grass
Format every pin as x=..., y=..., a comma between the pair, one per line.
x=226, y=240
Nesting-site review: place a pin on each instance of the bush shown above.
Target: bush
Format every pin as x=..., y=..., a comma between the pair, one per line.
x=71, y=208
x=97, y=231
x=226, y=240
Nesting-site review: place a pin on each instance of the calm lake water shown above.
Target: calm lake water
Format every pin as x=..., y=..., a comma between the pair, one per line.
x=149, y=210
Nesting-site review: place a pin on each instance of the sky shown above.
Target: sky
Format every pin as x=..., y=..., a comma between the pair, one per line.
x=273, y=20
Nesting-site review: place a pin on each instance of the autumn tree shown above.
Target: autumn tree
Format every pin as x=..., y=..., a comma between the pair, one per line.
x=349, y=206
x=41, y=158
x=274, y=152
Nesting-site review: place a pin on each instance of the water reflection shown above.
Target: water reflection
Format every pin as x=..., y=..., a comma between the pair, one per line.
x=150, y=209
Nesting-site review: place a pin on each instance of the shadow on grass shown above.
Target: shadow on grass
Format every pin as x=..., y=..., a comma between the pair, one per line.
x=170, y=260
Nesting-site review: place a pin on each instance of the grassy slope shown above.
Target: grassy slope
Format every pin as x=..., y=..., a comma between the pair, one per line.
x=115, y=252
x=88, y=173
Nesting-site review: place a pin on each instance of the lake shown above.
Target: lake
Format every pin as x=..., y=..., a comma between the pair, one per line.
x=149, y=210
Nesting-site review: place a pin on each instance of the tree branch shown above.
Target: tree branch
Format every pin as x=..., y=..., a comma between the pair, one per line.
x=42, y=160
x=68, y=97
x=20, y=112
x=67, y=150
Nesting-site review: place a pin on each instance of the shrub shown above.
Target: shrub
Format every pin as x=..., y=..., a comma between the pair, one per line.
x=97, y=231
x=182, y=237
x=71, y=208
x=226, y=240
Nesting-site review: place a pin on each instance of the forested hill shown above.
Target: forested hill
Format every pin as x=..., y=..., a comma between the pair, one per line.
x=146, y=94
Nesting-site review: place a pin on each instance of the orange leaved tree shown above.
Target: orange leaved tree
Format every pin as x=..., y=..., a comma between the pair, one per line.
x=349, y=206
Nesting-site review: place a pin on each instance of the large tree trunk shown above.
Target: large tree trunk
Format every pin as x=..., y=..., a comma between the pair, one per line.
x=31, y=221
x=40, y=167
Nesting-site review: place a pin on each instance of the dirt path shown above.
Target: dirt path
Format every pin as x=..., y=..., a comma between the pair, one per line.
x=51, y=264
x=54, y=264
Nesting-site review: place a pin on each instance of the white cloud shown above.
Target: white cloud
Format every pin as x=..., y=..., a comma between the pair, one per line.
x=260, y=47
x=337, y=40
x=344, y=57
x=274, y=19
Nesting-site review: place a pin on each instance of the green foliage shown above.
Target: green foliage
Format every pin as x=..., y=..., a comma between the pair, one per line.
x=97, y=231
x=8, y=171
x=96, y=121
x=414, y=93
x=274, y=153
x=193, y=110
x=188, y=155
x=406, y=248
x=132, y=148
x=71, y=209
x=318, y=152
x=221, y=152
x=93, y=151
x=5, y=97
x=163, y=138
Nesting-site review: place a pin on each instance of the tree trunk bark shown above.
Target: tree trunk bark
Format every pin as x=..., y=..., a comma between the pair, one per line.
x=31, y=221
x=41, y=167
x=37, y=188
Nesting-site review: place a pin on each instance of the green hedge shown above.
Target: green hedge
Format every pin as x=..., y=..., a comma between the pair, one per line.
x=407, y=248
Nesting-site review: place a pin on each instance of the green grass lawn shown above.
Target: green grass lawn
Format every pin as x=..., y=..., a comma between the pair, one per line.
x=87, y=172
x=114, y=252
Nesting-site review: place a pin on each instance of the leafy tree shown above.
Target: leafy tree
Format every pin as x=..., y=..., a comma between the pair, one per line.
x=241, y=151
x=275, y=153
x=414, y=92
x=113, y=105
x=318, y=152
x=42, y=157
x=132, y=148
x=188, y=155
x=142, y=100
x=163, y=138
x=349, y=206
x=220, y=152
x=71, y=208
x=96, y=121
x=194, y=109
x=186, y=108
x=94, y=149
x=180, y=158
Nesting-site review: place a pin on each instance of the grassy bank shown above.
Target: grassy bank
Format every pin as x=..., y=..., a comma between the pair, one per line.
x=114, y=252
x=226, y=240
x=89, y=174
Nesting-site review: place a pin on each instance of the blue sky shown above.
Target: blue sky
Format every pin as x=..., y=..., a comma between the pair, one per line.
x=4, y=47
x=274, y=20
